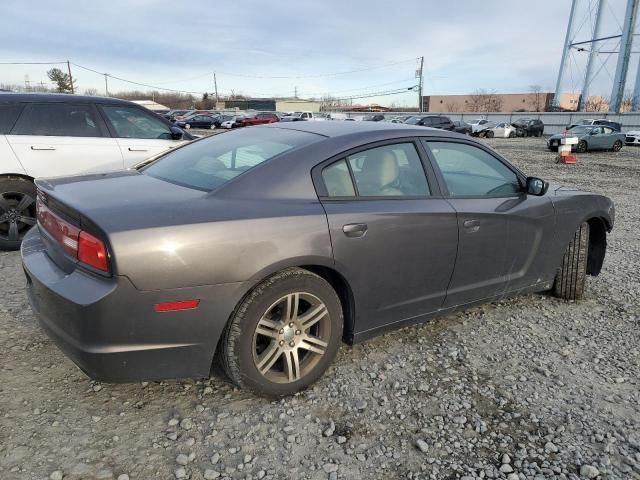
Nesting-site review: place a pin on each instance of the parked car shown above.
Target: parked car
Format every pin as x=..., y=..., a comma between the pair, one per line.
x=600, y=121
x=377, y=117
x=253, y=247
x=433, y=121
x=260, y=119
x=199, y=121
x=632, y=137
x=290, y=118
x=233, y=122
x=190, y=113
x=314, y=116
x=501, y=130
x=593, y=137
x=462, y=127
x=529, y=127
x=172, y=114
x=479, y=124
x=44, y=135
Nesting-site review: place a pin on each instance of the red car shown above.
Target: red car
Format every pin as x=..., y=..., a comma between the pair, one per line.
x=260, y=119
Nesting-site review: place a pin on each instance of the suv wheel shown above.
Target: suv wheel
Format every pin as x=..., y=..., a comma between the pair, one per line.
x=17, y=211
x=284, y=334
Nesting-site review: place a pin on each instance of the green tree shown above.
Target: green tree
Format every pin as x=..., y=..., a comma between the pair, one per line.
x=61, y=79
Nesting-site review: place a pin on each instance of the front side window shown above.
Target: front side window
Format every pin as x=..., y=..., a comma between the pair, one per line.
x=391, y=170
x=471, y=171
x=210, y=163
x=58, y=119
x=9, y=113
x=131, y=122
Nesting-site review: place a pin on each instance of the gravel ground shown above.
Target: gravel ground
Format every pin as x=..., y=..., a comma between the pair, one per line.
x=525, y=388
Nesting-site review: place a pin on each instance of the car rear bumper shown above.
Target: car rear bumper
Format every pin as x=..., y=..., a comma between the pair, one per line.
x=111, y=330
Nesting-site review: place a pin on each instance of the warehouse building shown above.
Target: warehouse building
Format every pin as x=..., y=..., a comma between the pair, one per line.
x=499, y=102
x=271, y=104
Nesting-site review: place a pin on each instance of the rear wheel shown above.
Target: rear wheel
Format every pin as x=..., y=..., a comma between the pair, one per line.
x=570, y=278
x=17, y=211
x=617, y=146
x=581, y=147
x=512, y=134
x=284, y=334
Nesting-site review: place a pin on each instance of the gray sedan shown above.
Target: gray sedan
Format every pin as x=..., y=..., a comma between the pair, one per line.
x=592, y=137
x=266, y=247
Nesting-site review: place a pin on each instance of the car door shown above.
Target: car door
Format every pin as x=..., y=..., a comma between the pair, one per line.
x=55, y=139
x=139, y=134
x=504, y=233
x=393, y=236
x=500, y=130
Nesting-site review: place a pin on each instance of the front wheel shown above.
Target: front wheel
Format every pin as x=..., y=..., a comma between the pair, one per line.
x=489, y=134
x=570, y=278
x=581, y=147
x=284, y=334
x=512, y=134
x=617, y=146
x=17, y=211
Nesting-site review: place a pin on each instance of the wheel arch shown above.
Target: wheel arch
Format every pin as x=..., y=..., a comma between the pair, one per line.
x=598, y=228
x=17, y=175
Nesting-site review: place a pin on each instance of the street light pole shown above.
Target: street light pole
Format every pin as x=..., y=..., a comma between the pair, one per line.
x=420, y=104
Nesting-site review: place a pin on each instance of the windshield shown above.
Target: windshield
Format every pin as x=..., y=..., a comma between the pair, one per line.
x=581, y=129
x=210, y=163
x=521, y=121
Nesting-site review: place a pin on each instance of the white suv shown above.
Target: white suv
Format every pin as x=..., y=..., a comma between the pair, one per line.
x=47, y=135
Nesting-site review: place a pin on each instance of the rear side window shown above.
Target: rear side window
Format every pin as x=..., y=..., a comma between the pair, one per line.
x=210, y=163
x=9, y=113
x=337, y=180
x=132, y=122
x=58, y=119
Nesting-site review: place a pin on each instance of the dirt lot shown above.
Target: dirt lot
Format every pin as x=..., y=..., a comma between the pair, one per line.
x=526, y=388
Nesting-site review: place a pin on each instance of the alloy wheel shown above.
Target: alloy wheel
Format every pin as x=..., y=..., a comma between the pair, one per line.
x=291, y=337
x=617, y=146
x=17, y=215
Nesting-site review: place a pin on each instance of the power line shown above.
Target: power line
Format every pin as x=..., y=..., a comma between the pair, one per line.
x=32, y=63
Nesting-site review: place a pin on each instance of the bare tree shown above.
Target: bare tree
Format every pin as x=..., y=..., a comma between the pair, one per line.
x=451, y=107
x=596, y=104
x=91, y=92
x=537, y=100
x=477, y=100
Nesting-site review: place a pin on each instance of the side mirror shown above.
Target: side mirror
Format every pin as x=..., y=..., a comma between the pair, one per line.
x=536, y=186
x=176, y=133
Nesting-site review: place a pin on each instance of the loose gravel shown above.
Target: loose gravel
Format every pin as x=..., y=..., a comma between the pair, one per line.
x=524, y=388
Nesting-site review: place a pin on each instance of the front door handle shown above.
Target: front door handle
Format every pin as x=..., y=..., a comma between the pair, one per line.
x=471, y=226
x=353, y=230
x=137, y=149
x=40, y=147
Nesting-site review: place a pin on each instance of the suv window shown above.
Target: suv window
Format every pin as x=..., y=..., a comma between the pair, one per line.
x=9, y=113
x=471, y=171
x=391, y=170
x=58, y=119
x=131, y=122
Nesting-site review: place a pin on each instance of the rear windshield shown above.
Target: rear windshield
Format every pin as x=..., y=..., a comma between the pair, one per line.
x=207, y=164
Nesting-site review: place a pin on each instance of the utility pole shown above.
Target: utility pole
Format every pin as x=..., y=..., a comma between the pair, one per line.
x=619, y=80
x=588, y=77
x=215, y=86
x=106, y=85
x=635, y=100
x=295, y=92
x=420, y=103
x=565, y=51
x=70, y=77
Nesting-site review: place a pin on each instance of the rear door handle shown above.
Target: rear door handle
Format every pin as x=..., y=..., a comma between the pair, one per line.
x=39, y=147
x=354, y=230
x=137, y=149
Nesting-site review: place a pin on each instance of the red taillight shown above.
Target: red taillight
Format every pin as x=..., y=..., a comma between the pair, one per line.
x=92, y=252
x=75, y=242
x=173, y=306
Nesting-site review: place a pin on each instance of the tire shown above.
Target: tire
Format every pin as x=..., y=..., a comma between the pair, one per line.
x=17, y=211
x=512, y=134
x=570, y=278
x=489, y=134
x=525, y=133
x=582, y=146
x=617, y=146
x=245, y=351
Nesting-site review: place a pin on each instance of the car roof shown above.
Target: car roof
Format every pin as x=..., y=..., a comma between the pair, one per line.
x=59, y=98
x=337, y=128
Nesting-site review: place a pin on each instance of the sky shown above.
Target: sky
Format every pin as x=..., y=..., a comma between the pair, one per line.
x=503, y=46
